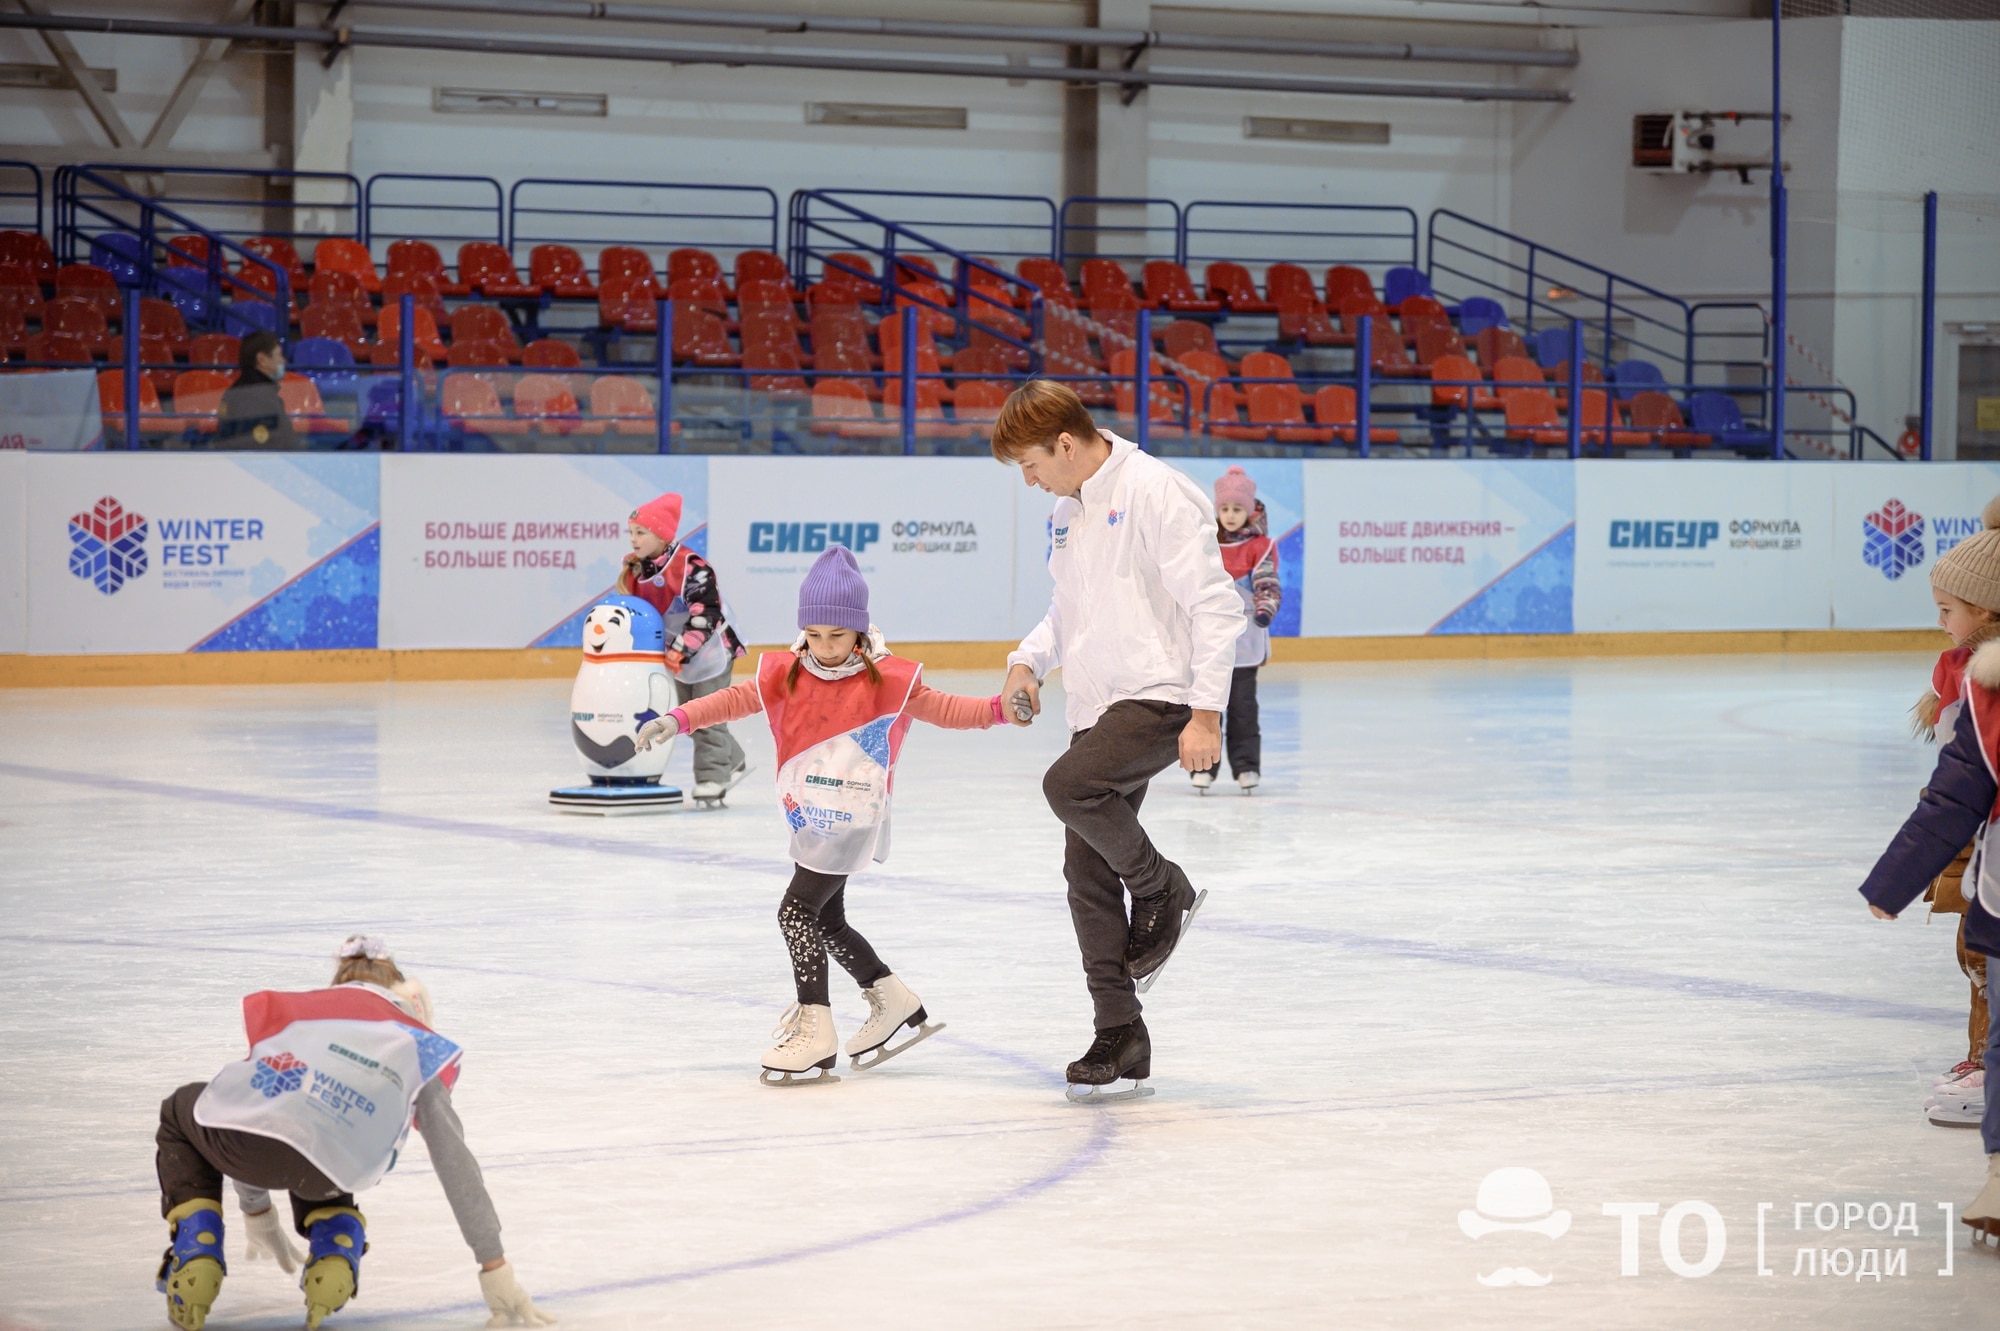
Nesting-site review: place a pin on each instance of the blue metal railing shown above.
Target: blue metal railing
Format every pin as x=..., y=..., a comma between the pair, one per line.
x=15, y=214
x=223, y=201
x=646, y=214
x=398, y=205
x=1315, y=236
x=1093, y=226
x=1004, y=228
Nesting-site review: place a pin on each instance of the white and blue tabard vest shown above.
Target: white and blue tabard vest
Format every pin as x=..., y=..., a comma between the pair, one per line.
x=334, y=1074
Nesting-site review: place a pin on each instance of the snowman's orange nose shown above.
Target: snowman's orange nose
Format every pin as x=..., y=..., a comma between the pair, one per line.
x=598, y=629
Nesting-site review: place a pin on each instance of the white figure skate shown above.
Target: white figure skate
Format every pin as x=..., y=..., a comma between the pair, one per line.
x=1249, y=781
x=710, y=794
x=1983, y=1216
x=891, y=1007
x=1202, y=781
x=805, y=1042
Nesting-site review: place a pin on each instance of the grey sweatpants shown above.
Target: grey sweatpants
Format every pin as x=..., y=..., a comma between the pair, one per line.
x=716, y=752
x=1096, y=789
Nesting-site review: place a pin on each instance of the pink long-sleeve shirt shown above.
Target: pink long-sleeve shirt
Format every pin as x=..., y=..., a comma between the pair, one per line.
x=948, y=711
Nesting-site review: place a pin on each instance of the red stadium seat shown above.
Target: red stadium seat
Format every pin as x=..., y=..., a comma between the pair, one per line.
x=851, y=273
x=21, y=291
x=1275, y=411
x=762, y=266
x=1102, y=278
x=1066, y=344
x=1353, y=308
x=979, y=400
x=1387, y=352
x=78, y=318
x=338, y=254
x=692, y=265
x=701, y=339
x=31, y=250
x=471, y=401
x=623, y=404
x=1047, y=277
x=630, y=302
x=1491, y=344
x=422, y=287
x=485, y=323
x=333, y=287
x=198, y=396
x=1659, y=416
x=1168, y=287
x=410, y=257
x=1301, y=318
x=1334, y=405
x=1185, y=335
x=546, y=353
x=162, y=318
x=423, y=332
x=488, y=269
x=189, y=251
x=476, y=352
x=547, y=402
x=1453, y=377
x=700, y=293
x=1231, y=284
x=1435, y=340
x=1163, y=396
x=59, y=349
x=841, y=400
x=302, y=403
x=338, y=321
x=208, y=350
x=1532, y=416
x=625, y=261
x=111, y=401
x=1204, y=374
x=280, y=252
x=559, y=270
x=784, y=360
x=1418, y=308
x=1590, y=374
x=1283, y=281
x=1344, y=280
x=13, y=330
x=86, y=282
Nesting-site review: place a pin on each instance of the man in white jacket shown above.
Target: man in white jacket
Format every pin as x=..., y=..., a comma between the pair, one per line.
x=1143, y=626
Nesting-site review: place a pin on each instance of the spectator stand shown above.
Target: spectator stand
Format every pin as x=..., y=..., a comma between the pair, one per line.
x=585, y=217
x=1129, y=230
x=20, y=197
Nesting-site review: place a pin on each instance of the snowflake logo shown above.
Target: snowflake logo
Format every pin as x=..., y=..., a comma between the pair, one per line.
x=277, y=1073
x=1892, y=540
x=794, y=815
x=107, y=545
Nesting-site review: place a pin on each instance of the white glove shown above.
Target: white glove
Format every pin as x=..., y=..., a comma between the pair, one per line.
x=264, y=1239
x=510, y=1303
x=658, y=729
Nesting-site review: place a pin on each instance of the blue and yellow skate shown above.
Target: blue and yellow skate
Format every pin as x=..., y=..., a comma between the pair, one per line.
x=333, y=1266
x=191, y=1271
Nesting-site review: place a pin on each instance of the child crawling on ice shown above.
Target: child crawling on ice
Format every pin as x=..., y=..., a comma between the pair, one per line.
x=264, y=1123
x=839, y=705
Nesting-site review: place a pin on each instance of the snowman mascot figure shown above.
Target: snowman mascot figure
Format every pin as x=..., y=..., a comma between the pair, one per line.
x=622, y=684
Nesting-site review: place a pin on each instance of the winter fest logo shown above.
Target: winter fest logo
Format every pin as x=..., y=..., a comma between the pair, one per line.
x=277, y=1073
x=1892, y=539
x=107, y=545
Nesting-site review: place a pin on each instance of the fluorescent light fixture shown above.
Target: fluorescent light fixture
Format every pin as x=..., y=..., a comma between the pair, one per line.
x=512, y=102
x=885, y=117
x=1314, y=131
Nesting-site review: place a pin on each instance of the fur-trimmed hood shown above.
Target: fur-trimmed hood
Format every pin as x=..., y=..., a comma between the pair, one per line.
x=1984, y=668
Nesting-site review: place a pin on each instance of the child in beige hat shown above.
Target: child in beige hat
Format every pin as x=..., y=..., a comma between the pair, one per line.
x=1965, y=583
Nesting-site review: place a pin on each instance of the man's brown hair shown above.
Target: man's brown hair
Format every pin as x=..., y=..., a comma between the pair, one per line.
x=1034, y=414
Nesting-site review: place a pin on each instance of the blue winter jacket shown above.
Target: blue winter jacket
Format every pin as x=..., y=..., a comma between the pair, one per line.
x=1957, y=803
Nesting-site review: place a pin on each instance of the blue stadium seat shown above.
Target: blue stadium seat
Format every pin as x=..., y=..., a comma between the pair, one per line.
x=327, y=363
x=1718, y=415
x=1401, y=282
x=1634, y=377
x=1477, y=312
x=1551, y=346
x=117, y=253
x=188, y=289
x=251, y=316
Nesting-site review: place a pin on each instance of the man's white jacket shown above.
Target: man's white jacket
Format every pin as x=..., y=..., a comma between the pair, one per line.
x=1143, y=607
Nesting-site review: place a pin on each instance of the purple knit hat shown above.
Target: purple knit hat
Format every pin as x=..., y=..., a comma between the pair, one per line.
x=834, y=592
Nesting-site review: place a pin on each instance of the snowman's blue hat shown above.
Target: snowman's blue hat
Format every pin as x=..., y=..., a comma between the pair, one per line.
x=649, y=631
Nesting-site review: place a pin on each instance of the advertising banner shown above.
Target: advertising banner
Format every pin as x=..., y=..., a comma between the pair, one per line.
x=1421, y=546
x=512, y=550
x=1685, y=546
x=1281, y=489
x=191, y=552
x=13, y=551
x=935, y=541
x=1891, y=521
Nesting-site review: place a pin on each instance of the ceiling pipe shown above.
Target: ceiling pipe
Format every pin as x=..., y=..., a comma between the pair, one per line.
x=1131, y=39
x=424, y=41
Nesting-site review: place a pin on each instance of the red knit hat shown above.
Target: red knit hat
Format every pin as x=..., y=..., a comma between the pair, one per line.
x=661, y=516
x=1235, y=487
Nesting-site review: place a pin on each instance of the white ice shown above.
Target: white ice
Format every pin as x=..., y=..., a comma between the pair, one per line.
x=1597, y=919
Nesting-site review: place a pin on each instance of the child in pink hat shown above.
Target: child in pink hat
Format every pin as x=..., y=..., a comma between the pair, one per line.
x=1251, y=558
x=701, y=646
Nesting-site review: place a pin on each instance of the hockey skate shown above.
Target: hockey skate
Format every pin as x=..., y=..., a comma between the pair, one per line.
x=1158, y=925
x=1983, y=1216
x=338, y=1237
x=891, y=1007
x=806, y=1043
x=1123, y=1052
x=191, y=1271
x=710, y=794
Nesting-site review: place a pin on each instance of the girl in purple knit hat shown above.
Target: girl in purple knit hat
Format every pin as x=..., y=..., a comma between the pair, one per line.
x=839, y=705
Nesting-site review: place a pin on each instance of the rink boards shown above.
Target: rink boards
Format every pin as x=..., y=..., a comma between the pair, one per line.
x=121, y=554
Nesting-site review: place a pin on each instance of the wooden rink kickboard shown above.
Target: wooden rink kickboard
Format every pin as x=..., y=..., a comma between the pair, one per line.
x=21, y=671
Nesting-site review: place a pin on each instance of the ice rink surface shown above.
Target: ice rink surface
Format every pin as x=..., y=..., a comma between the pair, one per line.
x=1595, y=919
